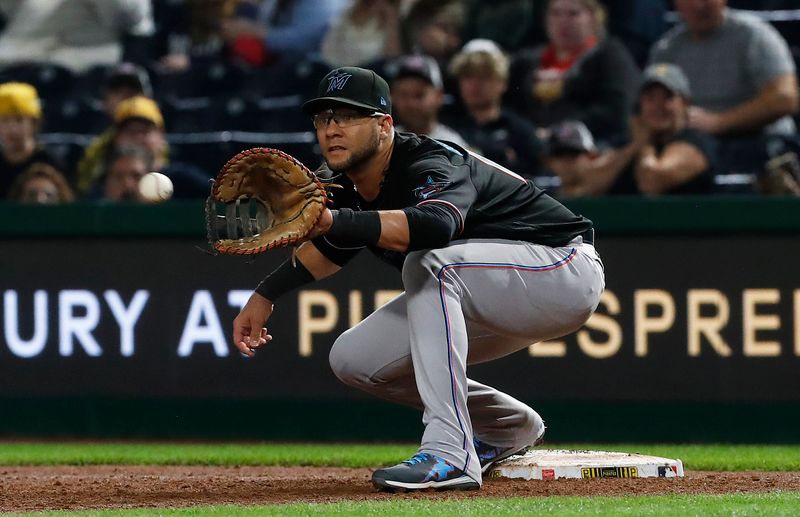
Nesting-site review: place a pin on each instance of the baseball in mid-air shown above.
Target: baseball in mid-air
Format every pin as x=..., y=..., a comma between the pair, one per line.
x=155, y=187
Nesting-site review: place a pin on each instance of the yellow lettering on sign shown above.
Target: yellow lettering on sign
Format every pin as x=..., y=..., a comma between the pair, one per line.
x=754, y=322
x=310, y=325
x=602, y=323
x=355, y=301
x=709, y=326
x=644, y=324
x=384, y=296
x=548, y=349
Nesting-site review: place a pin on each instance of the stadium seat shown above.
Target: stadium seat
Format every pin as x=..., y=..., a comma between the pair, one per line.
x=201, y=114
x=284, y=79
x=89, y=84
x=51, y=81
x=74, y=115
x=210, y=151
x=280, y=114
x=67, y=149
x=215, y=78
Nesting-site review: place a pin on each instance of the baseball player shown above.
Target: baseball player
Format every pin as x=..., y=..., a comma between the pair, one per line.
x=490, y=264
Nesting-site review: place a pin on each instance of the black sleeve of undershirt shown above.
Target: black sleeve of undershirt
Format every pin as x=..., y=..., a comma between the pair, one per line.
x=337, y=252
x=430, y=226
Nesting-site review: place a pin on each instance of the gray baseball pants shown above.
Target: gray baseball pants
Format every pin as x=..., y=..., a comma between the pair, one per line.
x=470, y=302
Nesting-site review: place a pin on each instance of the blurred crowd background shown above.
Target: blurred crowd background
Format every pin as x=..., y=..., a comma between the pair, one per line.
x=585, y=97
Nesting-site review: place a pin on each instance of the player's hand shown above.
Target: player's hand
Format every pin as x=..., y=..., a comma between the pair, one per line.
x=323, y=225
x=249, y=334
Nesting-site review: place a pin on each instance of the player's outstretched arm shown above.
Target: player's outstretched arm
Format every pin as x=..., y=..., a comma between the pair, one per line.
x=249, y=332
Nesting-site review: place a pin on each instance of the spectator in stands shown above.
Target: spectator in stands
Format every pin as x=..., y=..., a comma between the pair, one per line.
x=417, y=96
x=126, y=165
x=433, y=28
x=481, y=69
x=20, y=119
x=281, y=30
x=664, y=156
x=138, y=122
x=368, y=32
x=742, y=75
x=41, y=184
x=580, y=74
x=569, y=148
x=189, y=30
x=123, y=82
x=76, y=34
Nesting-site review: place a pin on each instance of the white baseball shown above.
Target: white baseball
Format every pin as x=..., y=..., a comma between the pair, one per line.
x=155, y=187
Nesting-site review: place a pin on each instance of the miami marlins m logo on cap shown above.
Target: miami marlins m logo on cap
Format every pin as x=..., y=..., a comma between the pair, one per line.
x=337, y=81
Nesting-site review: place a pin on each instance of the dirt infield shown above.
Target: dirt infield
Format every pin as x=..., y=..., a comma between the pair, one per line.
x=51, y=488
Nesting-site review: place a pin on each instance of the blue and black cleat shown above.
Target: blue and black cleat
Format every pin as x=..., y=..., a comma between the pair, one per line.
x=489, y=455
x=423, y=471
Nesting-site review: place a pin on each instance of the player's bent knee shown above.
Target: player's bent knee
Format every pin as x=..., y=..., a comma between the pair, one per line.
x=533, y=427
x=341, y=360
x=347, y=363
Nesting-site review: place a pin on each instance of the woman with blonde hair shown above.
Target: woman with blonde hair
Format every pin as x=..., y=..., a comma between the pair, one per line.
x=41, y=184
x=580, y=74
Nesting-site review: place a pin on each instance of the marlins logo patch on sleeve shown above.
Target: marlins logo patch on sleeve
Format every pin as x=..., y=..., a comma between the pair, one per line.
x=430, y=188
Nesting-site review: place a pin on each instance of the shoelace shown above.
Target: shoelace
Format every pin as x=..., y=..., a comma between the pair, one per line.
x=417, y=458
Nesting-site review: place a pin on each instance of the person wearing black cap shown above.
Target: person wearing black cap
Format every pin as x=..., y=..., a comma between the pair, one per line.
x=124, y=81
x=569, y=147
x=663, y=156
x=417, y=97
x=490, y=264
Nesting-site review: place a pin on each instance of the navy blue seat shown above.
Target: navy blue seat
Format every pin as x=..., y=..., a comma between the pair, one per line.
x=74, y=115
x=51, y=81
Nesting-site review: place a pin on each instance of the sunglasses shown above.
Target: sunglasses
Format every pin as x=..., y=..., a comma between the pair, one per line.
x=342, y=118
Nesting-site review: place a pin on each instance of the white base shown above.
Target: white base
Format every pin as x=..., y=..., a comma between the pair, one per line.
x=559, y=464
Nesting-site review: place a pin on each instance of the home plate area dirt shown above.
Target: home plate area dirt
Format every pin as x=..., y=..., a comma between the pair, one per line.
x=68, y=487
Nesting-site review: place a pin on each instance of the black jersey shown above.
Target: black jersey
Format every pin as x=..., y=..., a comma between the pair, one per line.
x=479, y=198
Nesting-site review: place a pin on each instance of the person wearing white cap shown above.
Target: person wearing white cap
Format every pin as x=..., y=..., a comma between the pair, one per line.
x=504, y=137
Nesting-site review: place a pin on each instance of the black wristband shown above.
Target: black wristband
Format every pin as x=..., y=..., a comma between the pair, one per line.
x=356, y=228
x=285, y=278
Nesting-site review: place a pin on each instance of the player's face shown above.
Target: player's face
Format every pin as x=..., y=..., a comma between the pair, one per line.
x=122, y=182
x=569, y=23
x=347, y=137
x=662, y=111
x=416, y=102
x=701, y=16
x=481, y=91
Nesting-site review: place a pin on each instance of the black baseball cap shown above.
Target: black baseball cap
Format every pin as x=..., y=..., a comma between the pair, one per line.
x=353, y=86
x=569, y=136
x=669, y=76
x=419, y=66
x=130, y=76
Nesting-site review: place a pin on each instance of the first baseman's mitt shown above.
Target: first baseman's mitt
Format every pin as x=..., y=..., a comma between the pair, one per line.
x=271, y=200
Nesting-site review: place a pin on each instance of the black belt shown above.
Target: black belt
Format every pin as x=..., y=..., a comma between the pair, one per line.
x=588, y=236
